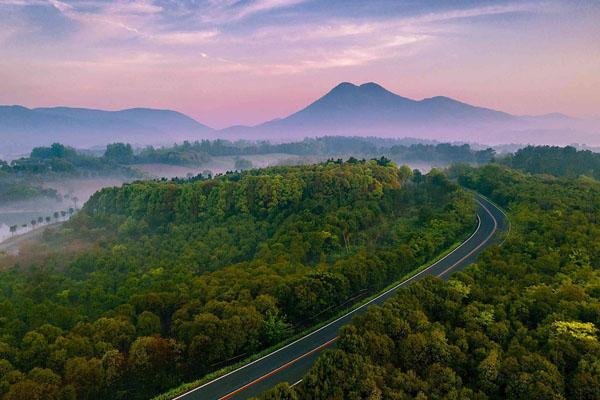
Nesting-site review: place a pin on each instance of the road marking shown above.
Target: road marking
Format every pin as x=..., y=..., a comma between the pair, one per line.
x=276, y=370
x=392, y=289
x=478, y=246
x=505, y=216
x=297, y=383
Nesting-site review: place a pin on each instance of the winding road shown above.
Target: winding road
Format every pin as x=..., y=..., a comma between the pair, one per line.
x=291, y=362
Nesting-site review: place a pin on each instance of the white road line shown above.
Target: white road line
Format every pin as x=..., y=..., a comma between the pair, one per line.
x=478, y=246
x=503, y=213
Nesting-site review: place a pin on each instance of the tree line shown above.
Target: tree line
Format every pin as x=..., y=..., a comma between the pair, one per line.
x=557, y=161
x=13, y=229
x=195, y=153
x=61, y=160
x=22, y=179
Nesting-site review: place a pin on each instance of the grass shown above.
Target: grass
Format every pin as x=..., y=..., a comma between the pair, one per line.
x=216, y=374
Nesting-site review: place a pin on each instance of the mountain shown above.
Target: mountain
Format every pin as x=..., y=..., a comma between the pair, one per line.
x=22, y=128
x=347, y=109
x=370, y=103
x=370, y=109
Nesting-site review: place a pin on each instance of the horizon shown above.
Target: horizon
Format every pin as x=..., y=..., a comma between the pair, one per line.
x=244, y=63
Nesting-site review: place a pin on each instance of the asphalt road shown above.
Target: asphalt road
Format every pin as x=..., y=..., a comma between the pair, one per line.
x=290, y=363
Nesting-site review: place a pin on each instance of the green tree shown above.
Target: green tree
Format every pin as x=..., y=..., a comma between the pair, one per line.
x=119, y=152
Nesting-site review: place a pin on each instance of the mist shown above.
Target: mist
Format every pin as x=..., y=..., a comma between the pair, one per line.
x=73, y=193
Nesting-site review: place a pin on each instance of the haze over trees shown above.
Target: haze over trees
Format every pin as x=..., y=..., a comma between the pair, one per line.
x=47, y=178
x=199, y=152
x=23, y=178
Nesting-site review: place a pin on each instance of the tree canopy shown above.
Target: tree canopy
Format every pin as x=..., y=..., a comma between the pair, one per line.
x=186, y=276
x=553, y=160
x=521, y=323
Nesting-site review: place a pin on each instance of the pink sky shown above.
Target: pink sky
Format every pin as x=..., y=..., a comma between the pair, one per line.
x=225, y=64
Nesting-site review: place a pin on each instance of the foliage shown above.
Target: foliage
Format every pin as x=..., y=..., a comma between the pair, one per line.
x=179, y=154
x=14, y=189
x=24, y=179
x=558, y=161
x=119, y=152
x=56, y=150
x=521, y=323
x=192, y=275
x=65, y=161
x=329, y=146
x=443, y=152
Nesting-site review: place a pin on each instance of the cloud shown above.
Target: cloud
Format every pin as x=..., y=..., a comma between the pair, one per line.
x=23, y=2
x=265, y=5
x=187, y=37
x=140, y=19
x=134, y=7
x=205, y=29
x=137, y=59
x=342, y=43
x=475, y=12
x=224, y=11
x=392, y=46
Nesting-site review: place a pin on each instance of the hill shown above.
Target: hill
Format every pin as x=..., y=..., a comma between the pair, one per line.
x=189, y=275
x=26, y=128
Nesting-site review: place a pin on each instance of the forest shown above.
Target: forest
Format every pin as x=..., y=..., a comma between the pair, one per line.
x=63, y=160
x=13, y=188
x=328, y=146
x=182, y=277
x=521, y=323
x=553, y=160
x=23, y=179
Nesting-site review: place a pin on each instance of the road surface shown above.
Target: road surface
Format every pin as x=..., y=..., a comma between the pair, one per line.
x=11, y=245
x=290, y=363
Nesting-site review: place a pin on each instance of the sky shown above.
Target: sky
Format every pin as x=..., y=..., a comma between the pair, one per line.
x=230, y=62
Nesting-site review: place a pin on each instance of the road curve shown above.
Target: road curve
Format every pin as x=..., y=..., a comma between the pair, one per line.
x=291, y=362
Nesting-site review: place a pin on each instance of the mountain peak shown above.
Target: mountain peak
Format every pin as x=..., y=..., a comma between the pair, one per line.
x=368, y=86
x=371, y=90
x=343, y=85
x=440, y=99
x=372, y=85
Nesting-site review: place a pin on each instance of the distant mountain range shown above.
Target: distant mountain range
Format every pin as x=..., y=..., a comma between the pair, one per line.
x=23, y=128
x=348, y=109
